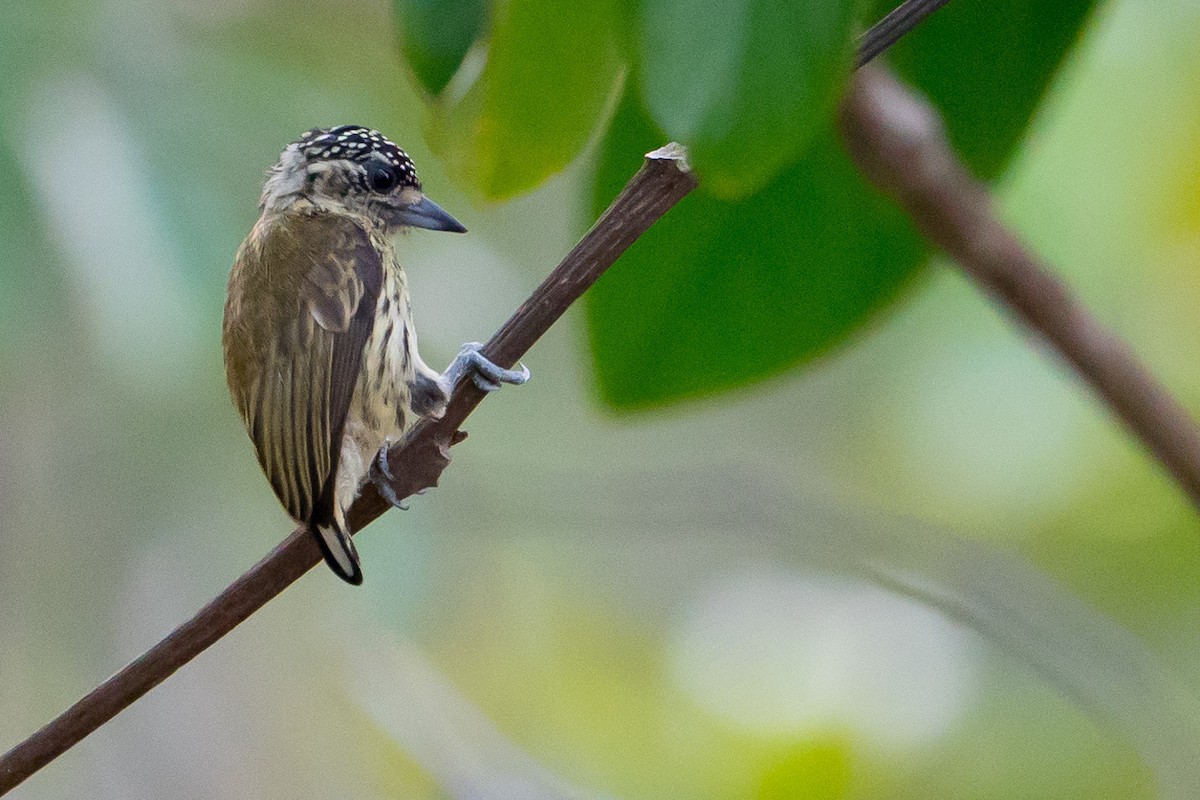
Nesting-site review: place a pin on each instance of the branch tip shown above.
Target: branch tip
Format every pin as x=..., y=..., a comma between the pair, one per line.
x=672, y=151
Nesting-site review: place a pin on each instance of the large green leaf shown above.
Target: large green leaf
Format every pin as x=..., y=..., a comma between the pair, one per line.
x=553, y=70
x=720, y=294
x=435, y=36
x=745, y=84
x=986, y=67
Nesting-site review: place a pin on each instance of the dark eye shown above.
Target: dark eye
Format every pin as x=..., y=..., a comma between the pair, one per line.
x=382, y=179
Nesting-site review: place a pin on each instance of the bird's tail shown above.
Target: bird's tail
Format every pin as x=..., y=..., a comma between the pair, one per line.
x=338, y=549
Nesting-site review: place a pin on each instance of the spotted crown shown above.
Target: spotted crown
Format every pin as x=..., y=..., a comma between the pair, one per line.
x=356, y=143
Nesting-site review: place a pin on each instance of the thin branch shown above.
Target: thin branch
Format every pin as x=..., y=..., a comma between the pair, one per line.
x=900, y=145
x=663, y=180
x=891, y=28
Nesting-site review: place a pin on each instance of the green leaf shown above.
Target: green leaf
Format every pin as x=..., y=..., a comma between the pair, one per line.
x=435, y=35
x=552, y=74
x=986, y=67
x=745, y=84
x=720, y=292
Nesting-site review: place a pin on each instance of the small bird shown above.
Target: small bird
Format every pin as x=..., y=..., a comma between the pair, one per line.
x=320, y=350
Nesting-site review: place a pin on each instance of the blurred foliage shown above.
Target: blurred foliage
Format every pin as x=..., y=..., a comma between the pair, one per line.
x=436, y=35
x=817, y=771
x=744, y=84
x=785, y=251
x=988, y=98
x=551, y=74
x=722, y=292
x=19, y=244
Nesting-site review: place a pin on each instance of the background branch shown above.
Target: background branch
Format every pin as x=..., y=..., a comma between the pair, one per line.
x=891, y=28
x=899, y=144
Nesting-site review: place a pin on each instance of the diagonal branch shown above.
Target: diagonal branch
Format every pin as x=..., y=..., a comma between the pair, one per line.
x=663, y=180
x=899, y=143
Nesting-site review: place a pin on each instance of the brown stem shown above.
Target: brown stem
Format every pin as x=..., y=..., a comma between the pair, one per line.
x=663, y=180
x=900, y=145
x=887, y=31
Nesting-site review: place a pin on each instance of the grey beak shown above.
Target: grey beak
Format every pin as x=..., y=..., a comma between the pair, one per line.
x=428, y=214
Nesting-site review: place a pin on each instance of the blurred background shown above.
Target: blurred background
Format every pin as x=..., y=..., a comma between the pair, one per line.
x=928, y=565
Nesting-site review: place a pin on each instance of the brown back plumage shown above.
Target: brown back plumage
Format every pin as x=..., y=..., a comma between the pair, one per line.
x=298, y=315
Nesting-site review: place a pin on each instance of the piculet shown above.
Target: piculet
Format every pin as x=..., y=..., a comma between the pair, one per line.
x=320, y=349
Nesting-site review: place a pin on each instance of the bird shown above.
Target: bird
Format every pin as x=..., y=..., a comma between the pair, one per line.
x=319, y=345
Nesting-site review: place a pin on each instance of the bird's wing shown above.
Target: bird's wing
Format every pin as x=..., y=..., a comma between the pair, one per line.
x=294, y=340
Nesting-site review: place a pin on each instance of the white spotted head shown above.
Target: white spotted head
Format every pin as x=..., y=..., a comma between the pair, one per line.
x=359, y=145
x=353, y=169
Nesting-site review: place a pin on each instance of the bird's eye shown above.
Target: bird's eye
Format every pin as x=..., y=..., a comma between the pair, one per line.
x=382, y=179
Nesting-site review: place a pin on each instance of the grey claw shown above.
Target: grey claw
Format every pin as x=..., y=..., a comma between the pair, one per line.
x=483, y=383
x=381, y=463
x=486, y=375
x=381, y=475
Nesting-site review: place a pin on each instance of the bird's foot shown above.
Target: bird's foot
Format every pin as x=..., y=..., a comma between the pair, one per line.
x=486, y=375
x=381, y=475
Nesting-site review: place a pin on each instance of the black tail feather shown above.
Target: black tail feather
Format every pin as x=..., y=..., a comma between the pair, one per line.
x=338, y=549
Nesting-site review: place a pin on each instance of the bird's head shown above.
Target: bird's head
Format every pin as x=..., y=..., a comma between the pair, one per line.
x=358, y=170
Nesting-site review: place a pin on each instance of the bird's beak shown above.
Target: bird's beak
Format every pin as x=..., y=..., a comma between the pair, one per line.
x=428, y=214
